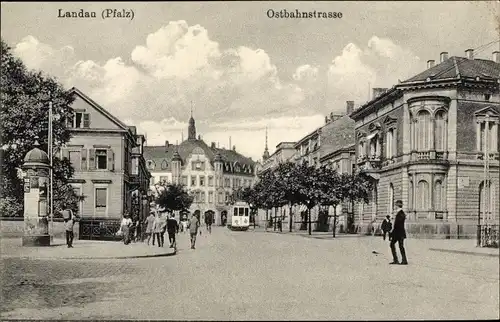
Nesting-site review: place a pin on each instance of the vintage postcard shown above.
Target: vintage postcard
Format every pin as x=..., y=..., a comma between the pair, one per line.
x=250, y=160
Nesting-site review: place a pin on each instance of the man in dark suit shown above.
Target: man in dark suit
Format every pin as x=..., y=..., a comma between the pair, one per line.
x=398, y=235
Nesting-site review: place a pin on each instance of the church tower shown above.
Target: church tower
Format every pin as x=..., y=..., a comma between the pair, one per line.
x=265, y=155
x=192, y=126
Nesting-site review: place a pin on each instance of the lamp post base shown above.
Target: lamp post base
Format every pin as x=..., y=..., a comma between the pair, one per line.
x=36, y=240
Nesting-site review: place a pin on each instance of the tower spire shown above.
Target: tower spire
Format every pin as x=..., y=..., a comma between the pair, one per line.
x=192, y=126
x=265, y=155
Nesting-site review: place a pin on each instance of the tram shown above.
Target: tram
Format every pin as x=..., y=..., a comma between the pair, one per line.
x=240, y=216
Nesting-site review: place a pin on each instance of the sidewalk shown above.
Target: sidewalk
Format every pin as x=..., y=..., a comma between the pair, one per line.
x=457, y=246
x=82, y=249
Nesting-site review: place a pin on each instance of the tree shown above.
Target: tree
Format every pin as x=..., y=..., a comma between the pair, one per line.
x=330, y=191
x=25, y=97
x=174, y=197
x=309, y=188
x=287, y=177
x=355, y=187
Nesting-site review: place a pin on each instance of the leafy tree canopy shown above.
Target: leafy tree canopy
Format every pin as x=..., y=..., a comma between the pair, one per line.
x=174, y=197
x=25, y=97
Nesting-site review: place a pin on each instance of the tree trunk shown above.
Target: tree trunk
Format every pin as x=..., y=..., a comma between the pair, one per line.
x=334, y=219
x=274, y=221
x=309, y=219
x=267, y=219
x=290, y=220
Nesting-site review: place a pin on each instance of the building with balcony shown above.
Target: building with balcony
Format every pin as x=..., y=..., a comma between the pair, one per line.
x=107, y=158
x=425, y=141
x=210, y=173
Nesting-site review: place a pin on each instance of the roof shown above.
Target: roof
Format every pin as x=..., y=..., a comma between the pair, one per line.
x=160, y=153
x=36, y=155
x=337, y=135
x=452, y=69
x=459, y=67
x=100, y=108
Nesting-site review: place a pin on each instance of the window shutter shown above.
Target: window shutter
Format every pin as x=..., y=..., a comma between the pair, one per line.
x=91, y=159
x=86, y=120
x=111, y=160
x=65, y=153
x=83, y=155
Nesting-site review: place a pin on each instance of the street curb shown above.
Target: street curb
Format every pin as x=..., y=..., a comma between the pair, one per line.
x=79, y=258
x=463, y=252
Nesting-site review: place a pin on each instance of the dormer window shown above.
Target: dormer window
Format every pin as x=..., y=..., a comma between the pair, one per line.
x=150, y=164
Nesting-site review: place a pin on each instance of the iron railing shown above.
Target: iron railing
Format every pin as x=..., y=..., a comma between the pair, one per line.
x=487, y=235
x=95, y=229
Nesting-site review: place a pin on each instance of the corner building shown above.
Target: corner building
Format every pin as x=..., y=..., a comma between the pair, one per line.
x=424, y=141
x=211, y=174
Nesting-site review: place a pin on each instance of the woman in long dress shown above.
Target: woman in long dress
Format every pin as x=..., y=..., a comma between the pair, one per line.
x=125, y=225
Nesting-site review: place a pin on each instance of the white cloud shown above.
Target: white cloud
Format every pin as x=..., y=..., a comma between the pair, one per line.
x=235, y=91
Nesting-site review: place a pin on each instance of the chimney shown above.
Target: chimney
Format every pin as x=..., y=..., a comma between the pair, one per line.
x=167, y=144
x=326, y=119
x=496, y=56
x=469, y=53
x=234, y=147
x=377, y=91
x=443, y=56
x=350, y=107
x=212, y=145
x=430, y=63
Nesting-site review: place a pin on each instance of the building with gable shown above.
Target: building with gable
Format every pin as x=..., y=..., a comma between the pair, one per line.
x=210, y=173
x=110, y=170
x=424, y=141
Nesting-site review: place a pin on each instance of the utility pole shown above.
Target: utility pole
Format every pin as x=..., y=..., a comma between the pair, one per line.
x=51, y=171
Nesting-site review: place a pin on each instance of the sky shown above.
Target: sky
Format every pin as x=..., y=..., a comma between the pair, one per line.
x=239, y=70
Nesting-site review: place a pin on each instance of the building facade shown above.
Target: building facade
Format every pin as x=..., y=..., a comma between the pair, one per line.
x=424, y=141
x=211, y=174
x=107, y=157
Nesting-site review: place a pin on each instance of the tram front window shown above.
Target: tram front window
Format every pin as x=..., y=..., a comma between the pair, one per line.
x=246, y=212
x=242, y=211
x=236, y=211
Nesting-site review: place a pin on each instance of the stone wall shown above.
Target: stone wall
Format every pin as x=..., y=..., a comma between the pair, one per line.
x=13, y=228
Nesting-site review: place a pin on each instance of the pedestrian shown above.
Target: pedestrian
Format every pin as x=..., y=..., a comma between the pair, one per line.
x=398, y=235
x=172, y=229
x=157, y=229
x=163, y=226
x=149, y=222
x=193, y=226
x=280, y=224
x=125, y=227
x=386, y=226
x=208, y=221
x=69, y=222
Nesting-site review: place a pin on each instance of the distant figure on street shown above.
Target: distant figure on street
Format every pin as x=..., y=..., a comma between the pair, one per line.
x=280, y=224
x=193, y=225
x=149, y=222
x=172, y=229
x=69, y=223
x=386, y=226
x=125, y=227
x=157, y=228
x=163, y=226
x=208, y=221
x=398, y=234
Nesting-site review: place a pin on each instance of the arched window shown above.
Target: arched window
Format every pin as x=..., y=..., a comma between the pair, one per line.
x=423, y=195
x=164, y=164
x=438, y=196
x=423, y=130
x=389, y=144
x=440, y=131
x=150, y=164
x=410, y=195
x=390, y=206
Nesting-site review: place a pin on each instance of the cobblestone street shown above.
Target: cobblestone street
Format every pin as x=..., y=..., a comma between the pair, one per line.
x=257, y=275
